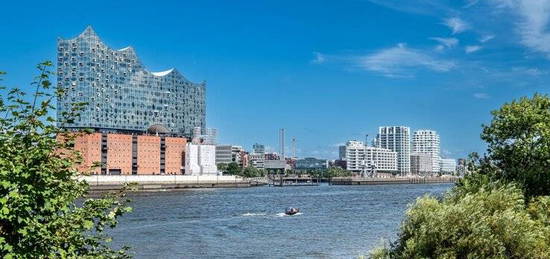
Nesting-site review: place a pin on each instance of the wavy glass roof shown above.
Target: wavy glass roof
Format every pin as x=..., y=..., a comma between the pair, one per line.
x=121, y=93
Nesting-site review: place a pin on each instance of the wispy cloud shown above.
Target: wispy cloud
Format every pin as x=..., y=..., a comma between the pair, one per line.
x=456, y=24
x=534, y=18
x=401, y=61
x=481, y=96
x=318, y=58
x=486, y=38
x=472, y=48
x=446, y=42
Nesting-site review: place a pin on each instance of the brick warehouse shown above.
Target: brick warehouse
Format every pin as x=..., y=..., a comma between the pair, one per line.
x=131, y=154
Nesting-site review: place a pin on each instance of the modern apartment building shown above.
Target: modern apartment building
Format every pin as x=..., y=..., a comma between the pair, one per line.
x=397, y=139
x=421, y=164
x=122, y=96
x=360, y=158
x=427, y=142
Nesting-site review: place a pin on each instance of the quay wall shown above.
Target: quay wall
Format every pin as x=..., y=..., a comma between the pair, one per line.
x=400, y=180
x=104, y=183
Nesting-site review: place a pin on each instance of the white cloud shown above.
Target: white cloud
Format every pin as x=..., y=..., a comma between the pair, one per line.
x=472, y=49
x=399, y=61
x=534, y=18
x=456, y=24
x=319, y=58
x=445, y=42
x=481, y=96
x=486, y=38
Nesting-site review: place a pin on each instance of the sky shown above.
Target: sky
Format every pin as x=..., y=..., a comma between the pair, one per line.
x=326, y=71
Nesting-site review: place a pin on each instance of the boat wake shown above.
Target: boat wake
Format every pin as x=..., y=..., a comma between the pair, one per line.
x=282, y=214
x=249, y=214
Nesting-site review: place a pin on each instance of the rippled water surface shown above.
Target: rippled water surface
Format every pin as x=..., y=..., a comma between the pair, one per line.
x=334, y=222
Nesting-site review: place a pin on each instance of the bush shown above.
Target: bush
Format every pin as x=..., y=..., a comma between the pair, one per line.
x=492, y=222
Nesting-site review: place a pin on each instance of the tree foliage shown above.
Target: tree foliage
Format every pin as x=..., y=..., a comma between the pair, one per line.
x=518, y=141
x=42, y=210
x=492, y=222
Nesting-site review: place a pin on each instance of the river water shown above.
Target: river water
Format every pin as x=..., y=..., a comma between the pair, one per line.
x=334, y=222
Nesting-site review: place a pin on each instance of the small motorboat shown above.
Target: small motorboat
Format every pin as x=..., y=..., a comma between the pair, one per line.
x=291, y=211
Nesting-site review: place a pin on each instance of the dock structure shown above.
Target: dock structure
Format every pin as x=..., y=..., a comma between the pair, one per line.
x=396, y=180
x=286, y=181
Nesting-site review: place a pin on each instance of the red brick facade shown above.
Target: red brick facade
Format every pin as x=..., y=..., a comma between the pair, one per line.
x=130, y=154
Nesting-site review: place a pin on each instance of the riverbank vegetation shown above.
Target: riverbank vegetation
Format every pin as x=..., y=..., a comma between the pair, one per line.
x=42, y=210
x=502, y=208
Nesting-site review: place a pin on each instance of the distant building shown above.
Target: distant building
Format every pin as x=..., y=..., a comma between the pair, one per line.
x=257, y=157
x=421, y=164
x=397, y=139
x=381, y=159
x=360, y=158
x=355, y=156
x=448, y=165
x=427, y=142
x=272, y=156
x=310, y=163
x=342, y=152
x=200, y=159
x=224, y=154
x=339, y=163
x=258, y=149
x=276, y=164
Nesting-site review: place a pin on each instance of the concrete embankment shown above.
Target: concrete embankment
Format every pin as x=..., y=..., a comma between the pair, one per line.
x=396, y=180
x=153, y=183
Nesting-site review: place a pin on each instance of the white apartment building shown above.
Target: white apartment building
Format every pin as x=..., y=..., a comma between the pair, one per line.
x=427, y=142
x=397, y=139
x=448, y=165
x=381, y=159
x=355, y=155
x=200, y=159
x=359, y=156
x=421, y=164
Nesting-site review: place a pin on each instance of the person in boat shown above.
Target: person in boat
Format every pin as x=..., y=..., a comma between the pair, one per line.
x=291, y=211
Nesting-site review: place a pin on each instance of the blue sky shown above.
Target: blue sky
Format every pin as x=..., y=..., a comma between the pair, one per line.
x=326, y=71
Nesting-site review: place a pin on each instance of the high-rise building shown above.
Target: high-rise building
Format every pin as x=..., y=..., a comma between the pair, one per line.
x=421, y=164
x=448, y=165
x=397, y=139
x=342, y=152
x=427, y=142
x=121, y=94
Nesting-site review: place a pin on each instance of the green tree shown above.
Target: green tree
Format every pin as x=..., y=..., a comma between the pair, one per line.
x=42, y=210
x=337, y=172
x=233, y=169
x=518, y=141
